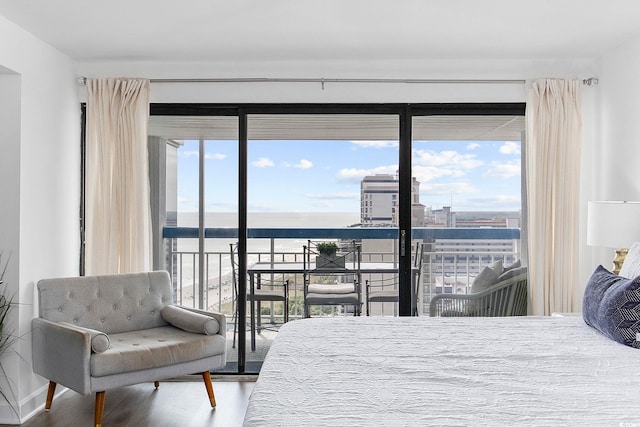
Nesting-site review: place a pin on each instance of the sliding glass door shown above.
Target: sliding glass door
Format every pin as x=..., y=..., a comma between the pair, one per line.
x=247, y=187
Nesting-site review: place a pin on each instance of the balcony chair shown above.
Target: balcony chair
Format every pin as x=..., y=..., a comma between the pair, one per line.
x=332, y=280
x=506, y=296
x=265, y=290
x=385, y=289
x=98, y=333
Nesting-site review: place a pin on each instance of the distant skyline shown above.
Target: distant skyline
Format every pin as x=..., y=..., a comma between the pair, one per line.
x=324, y=176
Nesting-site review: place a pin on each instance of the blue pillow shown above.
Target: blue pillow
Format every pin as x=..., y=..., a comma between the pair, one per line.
x=611, y=304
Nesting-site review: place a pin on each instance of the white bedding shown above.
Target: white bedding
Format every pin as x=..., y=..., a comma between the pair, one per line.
x=368, y=371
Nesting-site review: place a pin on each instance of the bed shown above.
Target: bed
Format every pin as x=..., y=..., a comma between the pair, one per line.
x=372, y=371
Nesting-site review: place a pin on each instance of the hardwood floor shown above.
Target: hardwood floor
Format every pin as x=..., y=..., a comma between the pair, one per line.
x=175, y=403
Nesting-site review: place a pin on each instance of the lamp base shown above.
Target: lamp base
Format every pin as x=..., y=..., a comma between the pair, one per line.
x=621, y=254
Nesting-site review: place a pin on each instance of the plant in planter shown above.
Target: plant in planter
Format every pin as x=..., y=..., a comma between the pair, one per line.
x=328, y=257
x=327, y=248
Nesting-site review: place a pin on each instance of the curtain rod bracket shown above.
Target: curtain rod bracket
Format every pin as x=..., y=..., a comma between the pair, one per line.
x=591, y=81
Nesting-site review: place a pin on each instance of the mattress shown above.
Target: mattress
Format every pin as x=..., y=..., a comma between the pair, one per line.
x=373, y=371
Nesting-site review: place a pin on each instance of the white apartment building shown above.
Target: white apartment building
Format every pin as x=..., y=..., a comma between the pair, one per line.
x=379, y=201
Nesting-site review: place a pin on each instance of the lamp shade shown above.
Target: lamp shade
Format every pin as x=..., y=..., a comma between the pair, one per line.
x=613, y=224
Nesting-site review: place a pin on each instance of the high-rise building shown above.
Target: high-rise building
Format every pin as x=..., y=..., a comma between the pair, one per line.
x=379, y=196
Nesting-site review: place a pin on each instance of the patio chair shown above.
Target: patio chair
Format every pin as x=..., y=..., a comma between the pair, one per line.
x=332, y=279
x=265, y=290
x=506, y=297
x=385, y=289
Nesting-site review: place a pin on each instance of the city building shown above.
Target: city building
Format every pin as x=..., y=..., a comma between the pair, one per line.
x=379, y=201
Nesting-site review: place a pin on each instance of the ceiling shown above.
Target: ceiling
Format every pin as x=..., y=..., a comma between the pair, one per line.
x=350, y=127
x=326, y=30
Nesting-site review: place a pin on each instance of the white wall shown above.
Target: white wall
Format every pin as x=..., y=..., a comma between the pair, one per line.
x=341, y=92
x=39, y=192
x=615, y=154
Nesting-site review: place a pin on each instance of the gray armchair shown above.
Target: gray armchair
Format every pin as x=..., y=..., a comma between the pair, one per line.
x=507, y=297
x=104, y=332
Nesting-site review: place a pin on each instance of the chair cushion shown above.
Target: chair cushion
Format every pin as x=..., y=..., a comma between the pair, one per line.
x=337, y=288
x=152, y=348
x=384, y=296
x=332, y=299
x=611, y=304
x=190, y=321
x=508, y=274
x=516, y=264
x=487, y=277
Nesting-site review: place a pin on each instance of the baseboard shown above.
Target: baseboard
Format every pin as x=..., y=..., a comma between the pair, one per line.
x=30, y=406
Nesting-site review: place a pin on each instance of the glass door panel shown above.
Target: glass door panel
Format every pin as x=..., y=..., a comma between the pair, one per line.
x=201, y=211
x=467, y=197
x=323, y=177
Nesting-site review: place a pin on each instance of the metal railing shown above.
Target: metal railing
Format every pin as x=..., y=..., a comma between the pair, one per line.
x=450, y=271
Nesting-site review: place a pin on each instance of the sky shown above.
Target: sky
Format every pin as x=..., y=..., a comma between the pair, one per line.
x=324, y=176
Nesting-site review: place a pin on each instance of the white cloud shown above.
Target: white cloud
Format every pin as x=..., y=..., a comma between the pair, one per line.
x=504, y=169
x=449, y=159
x=473, y=146
x=355, y=175
x=428, y=173
x=375, y=144
x=448, y=188
x=510, y=147
x=303, y=164
x=263, y=162
x=429, y=165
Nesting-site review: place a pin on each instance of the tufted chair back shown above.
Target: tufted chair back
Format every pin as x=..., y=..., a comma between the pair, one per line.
x=110, y=303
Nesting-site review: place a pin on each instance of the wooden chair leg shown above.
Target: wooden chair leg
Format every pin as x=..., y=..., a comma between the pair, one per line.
x=99, y=408
x=156, y=384
x=207, y=383
x=50, y=392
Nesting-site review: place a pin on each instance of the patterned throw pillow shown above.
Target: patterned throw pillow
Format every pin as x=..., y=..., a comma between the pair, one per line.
x=611, y=304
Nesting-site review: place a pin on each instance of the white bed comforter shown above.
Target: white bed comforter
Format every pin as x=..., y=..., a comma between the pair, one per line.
x=367, y=371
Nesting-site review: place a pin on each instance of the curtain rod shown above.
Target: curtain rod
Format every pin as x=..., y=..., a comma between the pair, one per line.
x=592, y=81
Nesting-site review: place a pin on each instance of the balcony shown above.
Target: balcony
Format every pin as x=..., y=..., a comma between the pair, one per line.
x=452, y=258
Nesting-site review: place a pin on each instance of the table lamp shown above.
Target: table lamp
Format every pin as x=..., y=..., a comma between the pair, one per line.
x=613, y=224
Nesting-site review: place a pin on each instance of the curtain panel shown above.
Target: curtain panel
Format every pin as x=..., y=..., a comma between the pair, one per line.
x=118, y=217
x=553, y=146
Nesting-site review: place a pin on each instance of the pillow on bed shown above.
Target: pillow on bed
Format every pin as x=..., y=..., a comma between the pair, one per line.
x=631, y=265
x=611, y=304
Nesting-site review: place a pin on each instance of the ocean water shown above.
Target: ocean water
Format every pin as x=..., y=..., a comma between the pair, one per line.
x=219, y=265
x=263, y=220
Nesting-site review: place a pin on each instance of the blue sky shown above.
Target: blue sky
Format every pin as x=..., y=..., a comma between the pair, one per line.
x=324, y=176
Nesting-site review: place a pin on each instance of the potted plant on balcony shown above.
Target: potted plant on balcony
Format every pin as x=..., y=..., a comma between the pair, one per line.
x=328, y=256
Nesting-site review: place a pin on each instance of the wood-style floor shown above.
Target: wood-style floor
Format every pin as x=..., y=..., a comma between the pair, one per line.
x=174, y=404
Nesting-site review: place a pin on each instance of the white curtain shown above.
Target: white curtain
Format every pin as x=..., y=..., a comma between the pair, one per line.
x=118, y=218
x=552, y=175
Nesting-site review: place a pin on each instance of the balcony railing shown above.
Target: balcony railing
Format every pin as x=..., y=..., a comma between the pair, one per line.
x=452, y=258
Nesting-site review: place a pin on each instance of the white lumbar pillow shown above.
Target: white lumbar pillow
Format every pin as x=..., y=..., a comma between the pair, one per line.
x=631, y=265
